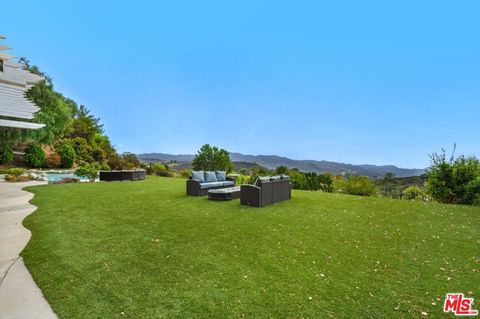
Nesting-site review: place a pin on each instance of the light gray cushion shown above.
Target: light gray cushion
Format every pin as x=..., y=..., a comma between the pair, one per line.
x=275, y=178
x=221, y=175
x=262, y=179
x=210, y=177
x=228, y=183
x=199, y=176
x=285, y=176
x=210, y=185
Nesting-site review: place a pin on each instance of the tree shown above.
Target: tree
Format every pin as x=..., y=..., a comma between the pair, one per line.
x=281, y=170
x=387, y=179
x=130, y=160
x=54, y=111
x=211, y=158
x=454, y=180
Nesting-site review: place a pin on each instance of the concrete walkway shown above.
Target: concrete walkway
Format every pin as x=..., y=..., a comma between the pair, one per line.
x=19, y=295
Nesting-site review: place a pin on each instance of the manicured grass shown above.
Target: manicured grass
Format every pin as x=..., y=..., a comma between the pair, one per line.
x=146, y=250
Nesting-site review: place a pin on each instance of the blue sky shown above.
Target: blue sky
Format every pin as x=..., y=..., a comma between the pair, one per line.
x=379, y=82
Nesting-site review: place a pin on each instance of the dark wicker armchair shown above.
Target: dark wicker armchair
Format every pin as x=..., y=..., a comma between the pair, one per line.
x=265, y=193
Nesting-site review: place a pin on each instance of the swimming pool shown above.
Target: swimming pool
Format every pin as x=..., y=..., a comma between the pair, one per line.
x=55, y=176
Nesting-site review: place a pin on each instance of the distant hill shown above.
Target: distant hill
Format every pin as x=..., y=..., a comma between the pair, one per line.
x=272, y=161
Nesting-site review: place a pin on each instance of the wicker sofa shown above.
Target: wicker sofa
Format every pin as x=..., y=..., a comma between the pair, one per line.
x=201, y=181
x=266, y=191
x=122, y=175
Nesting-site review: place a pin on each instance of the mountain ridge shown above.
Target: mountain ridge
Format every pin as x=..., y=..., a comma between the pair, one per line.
x=317, y=166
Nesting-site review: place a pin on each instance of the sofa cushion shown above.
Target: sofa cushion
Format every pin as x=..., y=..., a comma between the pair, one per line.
x=210, y=177
x=275, y=178
x=228, y=183
x=211, y=184
x=285, y=176
x=199, y=176
x=221, y=175
x=261, y=179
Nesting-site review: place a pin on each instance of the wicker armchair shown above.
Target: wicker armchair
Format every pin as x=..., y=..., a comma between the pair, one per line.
x=265, y=193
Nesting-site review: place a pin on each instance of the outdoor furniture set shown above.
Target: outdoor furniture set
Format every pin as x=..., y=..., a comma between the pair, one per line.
x=266, y=190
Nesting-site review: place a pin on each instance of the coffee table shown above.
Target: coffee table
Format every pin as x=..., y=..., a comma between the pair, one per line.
x=224, y=193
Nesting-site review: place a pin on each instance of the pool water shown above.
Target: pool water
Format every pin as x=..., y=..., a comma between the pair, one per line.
x=57, y=176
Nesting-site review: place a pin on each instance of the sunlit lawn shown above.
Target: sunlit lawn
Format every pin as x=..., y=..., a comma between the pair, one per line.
x=146, y=250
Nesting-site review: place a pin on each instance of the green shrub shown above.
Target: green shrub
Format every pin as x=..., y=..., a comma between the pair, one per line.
x=99, y=155
x=185, y=173
x=454, y=180
x=104, y=166
x=83, y=150
x=16, y=171
x=414, y=193
x=242, y=179
x=281, y=170
x=355, y=185
x=34, y=156
x=67, y=155
x=88, y=170
x=6, y=154
x=312, y=181
x=161, y=170
x=17, y=174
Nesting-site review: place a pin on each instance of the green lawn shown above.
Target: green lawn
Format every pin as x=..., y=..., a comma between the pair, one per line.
x=146, y=250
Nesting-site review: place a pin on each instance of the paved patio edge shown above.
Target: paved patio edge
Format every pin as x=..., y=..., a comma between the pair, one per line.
x=20, y=297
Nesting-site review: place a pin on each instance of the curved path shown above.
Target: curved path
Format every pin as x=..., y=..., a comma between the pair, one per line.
x=19, y=295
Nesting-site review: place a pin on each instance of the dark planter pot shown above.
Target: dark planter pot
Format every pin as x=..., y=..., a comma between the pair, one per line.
x=131, y=175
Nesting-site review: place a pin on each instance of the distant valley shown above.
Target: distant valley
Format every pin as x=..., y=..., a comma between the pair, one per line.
x=272, y=161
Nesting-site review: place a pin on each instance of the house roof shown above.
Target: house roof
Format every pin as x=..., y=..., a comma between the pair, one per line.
x=14, y=82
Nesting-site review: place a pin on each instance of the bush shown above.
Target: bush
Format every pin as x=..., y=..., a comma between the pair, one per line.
x=312, y=181
x=99, y=155
x=16, y=171
x=454, y=180
x=88, y=170
x=356, y=185
x=52, y=160
x=34, y=156
x=115, y=161
x=6, y=154
x=16, y=179
x=17, y=174
x=83, y=150
x=67, y=155
x=414, y=193
x=185, y=173
x=66, y=180
x=160, y=170
x=281, y=170
x=242, y=179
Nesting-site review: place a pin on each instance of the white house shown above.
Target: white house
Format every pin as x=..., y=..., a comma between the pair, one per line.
x=14, y=82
